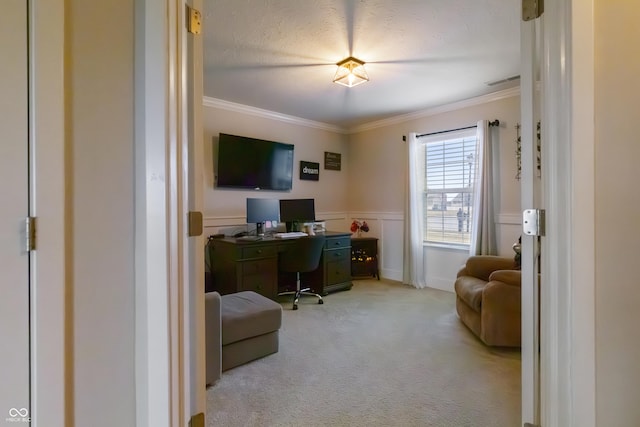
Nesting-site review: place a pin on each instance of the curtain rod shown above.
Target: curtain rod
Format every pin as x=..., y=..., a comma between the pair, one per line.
x=446, y=131
x=496, y=122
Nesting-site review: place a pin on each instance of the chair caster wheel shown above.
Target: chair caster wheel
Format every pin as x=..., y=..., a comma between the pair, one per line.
x=320, y=301
x=295, y=306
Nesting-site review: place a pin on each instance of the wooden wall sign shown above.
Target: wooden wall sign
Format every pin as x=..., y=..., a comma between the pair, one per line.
x=332, y=161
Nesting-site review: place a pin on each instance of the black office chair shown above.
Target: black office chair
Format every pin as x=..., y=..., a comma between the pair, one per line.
x=300, y=257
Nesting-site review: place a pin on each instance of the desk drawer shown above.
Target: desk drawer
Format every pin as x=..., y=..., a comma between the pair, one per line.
x=259, y=275
x=337, y=255
x=259, y=251
x=337, y=242
x=338, y=271
x=261, y=284
x=259, y=266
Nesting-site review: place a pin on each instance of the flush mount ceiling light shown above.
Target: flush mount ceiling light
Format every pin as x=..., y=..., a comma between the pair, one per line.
x=350, y=72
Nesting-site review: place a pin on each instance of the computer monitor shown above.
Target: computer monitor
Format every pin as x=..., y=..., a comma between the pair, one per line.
x=260, y=211
x=296, y=211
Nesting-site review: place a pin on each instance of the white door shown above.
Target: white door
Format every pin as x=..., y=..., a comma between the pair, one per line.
x=14, y=208
x=530, y=185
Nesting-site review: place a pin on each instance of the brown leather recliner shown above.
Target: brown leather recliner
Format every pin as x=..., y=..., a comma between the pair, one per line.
x=488, y=299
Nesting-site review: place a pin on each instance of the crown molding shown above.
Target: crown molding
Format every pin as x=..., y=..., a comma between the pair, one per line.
x=267, y=114
x=471, y=102
x=272, y=115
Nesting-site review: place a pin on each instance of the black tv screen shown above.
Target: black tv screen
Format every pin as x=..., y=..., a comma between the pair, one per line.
x=249, y=163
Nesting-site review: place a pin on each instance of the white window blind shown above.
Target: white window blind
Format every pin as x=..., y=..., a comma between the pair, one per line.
x=450, y=165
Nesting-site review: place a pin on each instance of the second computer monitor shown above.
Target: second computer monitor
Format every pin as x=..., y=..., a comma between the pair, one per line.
x=294, y=212
x=260, y=211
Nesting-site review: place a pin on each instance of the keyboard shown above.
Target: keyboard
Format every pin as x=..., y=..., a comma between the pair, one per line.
x=290, y=235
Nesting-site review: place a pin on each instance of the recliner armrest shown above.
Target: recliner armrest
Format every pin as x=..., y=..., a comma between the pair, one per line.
x=501, y=312
x=510, y=277
x=462, y=271
x=481, y=266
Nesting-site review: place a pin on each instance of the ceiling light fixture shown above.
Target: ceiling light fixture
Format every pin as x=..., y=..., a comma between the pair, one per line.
x=350, y=72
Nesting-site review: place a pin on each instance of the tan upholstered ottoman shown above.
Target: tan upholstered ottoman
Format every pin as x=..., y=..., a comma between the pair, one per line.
x=250, y=326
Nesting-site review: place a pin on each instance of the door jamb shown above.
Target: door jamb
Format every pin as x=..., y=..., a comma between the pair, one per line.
x=582, y=358
x=169, y=324
x=51, y=378
x=568, y=319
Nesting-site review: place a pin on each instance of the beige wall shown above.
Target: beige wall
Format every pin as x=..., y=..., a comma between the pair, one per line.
x=330, y=192
x=378, y=155
x=617, y=67
x=99, y=174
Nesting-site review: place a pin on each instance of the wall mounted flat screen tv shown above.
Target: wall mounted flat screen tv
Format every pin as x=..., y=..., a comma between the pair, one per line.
x=256, y=164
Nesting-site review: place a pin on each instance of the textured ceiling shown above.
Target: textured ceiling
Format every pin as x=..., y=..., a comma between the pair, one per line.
x=280, y=55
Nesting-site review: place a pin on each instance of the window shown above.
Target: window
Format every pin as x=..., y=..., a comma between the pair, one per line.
x=450, y=166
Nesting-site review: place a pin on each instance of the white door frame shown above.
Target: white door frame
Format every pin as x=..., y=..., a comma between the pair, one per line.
x=170, y=367
x=582, y=357
x=567, y=318
x=529, y=200
x=568, y=289
x=152, y=180
x=194, y=347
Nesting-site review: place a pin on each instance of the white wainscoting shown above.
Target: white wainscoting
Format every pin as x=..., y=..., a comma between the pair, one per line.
x=441, y=264
x=388, y=227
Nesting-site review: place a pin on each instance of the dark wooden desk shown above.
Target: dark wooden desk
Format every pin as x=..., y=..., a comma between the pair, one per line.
x=238, y=265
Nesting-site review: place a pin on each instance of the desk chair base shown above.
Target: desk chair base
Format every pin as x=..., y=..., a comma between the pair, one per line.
x=302, y=257
x=298, y=293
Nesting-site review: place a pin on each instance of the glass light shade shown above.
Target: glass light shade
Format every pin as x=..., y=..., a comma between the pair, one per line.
x=350, y=72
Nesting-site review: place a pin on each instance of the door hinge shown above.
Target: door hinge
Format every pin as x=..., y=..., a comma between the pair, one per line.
x=30, y=233
x=194, y=20
x=197, y=420
x=533, y=222
x=532, y=9
x=194, y=223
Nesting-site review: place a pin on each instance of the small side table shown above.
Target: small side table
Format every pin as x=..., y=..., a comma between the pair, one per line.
x=364, y=257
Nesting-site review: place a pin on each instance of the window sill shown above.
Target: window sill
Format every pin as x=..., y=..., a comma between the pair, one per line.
x=449, y=246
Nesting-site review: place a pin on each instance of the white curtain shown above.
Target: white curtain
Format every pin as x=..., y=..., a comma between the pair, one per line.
x=483, y=237
x=414, y=268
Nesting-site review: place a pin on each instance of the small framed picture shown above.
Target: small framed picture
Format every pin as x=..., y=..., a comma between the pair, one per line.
x=332, y=161
x=309, y=171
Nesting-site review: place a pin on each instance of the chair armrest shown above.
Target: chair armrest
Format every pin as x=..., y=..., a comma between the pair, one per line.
x=462, y=272
x=510, y=277
x=501, y=309
x=481, y=266
x=501, y=313
x=213, y=337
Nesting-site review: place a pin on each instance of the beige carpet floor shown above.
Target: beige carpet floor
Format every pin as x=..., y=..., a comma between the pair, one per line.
x=381, y=354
